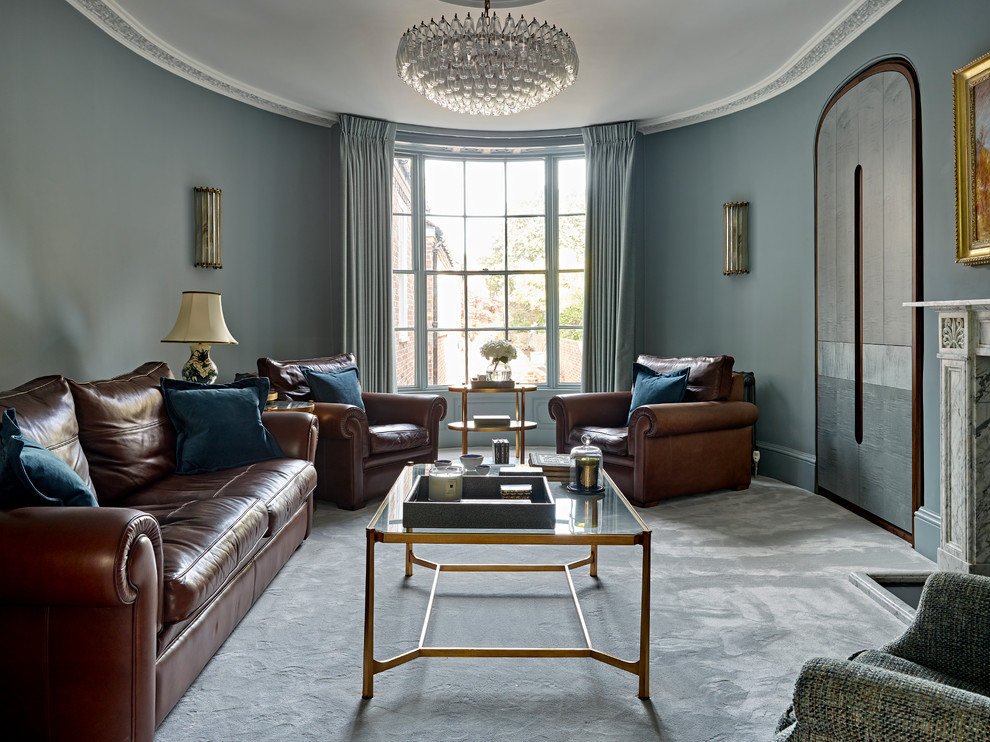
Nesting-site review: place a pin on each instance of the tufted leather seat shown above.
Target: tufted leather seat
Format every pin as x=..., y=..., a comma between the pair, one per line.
x=665, y=450
x=115, y=609
x=360, y=452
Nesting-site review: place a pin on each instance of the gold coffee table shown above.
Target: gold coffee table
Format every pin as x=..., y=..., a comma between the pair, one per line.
x=600, y=520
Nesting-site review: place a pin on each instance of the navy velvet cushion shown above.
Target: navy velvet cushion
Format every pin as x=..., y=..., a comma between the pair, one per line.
x=30, y=474
x=650, y=387
x=341, y=387
x=218, y=426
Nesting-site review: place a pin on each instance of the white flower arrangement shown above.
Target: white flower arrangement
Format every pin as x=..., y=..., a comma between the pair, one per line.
x=499, y=351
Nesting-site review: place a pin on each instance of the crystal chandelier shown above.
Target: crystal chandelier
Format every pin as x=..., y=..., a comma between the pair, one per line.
x=488, y=67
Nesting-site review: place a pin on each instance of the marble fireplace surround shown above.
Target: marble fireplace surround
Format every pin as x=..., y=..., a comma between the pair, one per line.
x=964, y=455
x=964, y=433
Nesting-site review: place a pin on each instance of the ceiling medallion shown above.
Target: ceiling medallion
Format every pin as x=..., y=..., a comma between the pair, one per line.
x=487, y=68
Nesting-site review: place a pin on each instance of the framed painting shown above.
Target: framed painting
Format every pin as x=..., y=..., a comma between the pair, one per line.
x=971, y=100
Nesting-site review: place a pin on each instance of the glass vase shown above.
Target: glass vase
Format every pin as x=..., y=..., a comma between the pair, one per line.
x=500, y=372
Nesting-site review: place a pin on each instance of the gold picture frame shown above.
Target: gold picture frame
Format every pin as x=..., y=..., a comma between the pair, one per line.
x=971, y=104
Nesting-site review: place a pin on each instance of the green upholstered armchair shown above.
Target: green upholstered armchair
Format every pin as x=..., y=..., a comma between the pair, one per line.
x=931, y=684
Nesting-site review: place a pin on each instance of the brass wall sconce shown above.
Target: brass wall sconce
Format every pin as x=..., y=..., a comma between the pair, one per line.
x=207, y=237
x=736, y=238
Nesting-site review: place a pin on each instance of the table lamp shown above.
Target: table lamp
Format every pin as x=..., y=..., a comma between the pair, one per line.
x=200, y=323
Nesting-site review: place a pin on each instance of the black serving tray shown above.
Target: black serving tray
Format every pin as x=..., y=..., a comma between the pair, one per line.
x=480, y=505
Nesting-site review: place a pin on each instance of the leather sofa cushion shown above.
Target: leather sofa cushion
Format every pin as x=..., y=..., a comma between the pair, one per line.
x=614, y=441
x=396, y=437
x=709, y=378
x=204, y=543
x=289, y=380
x=125, y=431
x=281, y=484
x=46, y=413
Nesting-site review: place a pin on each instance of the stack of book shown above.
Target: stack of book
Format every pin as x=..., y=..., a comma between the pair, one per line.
x=491, y=421
x=500, y=450
x=556, y=466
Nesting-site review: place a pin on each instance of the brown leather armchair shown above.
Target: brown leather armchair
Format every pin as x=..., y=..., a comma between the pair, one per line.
x=701, y=444
x=359, y=453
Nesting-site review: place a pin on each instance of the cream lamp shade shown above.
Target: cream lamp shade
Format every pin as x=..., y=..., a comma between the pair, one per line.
x=200, y=323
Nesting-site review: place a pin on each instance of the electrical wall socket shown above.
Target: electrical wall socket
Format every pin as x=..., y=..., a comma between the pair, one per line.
x=756, y=457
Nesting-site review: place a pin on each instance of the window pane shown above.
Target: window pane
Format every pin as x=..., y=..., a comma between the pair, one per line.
x=401, y=243
x=525, y=186
x=405, y=358
x=571, y=186
x=445, y=358
x=486, y=301
x=484, y=267
x=444, y=187
x=444, y=301
x=485, y=190
x=403, y=300
x=402, y=185
x=531, y=364
x=571, y=298
x=528, y=300
x=527, y=243
x=485, y=244
x=570, y=235
x=569, y=354
x=444, y=244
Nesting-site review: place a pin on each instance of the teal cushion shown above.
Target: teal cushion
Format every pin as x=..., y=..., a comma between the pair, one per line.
x=650, y=387
x=30, y=474
x=340, y=387
x=218, y=426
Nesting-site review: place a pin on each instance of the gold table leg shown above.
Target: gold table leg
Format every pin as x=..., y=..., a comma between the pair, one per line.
x=644, y=622
x=367, y=690
x=639, y=667
x=464, y=436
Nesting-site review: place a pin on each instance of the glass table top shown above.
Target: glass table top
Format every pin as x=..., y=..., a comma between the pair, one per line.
x=605, y=514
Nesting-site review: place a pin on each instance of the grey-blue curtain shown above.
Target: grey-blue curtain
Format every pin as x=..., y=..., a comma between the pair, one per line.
x=366, y=150
x=610, y=280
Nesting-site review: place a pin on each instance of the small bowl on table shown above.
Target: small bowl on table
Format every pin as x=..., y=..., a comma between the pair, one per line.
x=470, y=462
x=482, y=470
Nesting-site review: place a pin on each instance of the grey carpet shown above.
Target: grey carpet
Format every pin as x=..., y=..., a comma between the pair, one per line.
x=746, y=587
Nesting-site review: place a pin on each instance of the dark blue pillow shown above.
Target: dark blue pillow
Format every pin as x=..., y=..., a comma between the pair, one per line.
x=30, y=474
x=650, y=387
x=341, y=387
x=218, y=426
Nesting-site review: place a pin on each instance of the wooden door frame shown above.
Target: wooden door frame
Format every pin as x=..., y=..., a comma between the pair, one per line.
x=905, y=68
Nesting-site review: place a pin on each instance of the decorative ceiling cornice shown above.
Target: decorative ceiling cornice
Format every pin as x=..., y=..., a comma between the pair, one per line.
x=856, y=18
x=115, y=22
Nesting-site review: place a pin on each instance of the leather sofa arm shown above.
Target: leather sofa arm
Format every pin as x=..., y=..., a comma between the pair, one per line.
x=660, y=420
x=82, y=603
x=341, y=421
x=839, y=699
x=581, y=409
x=295, y=432
x=424, y=410
x=76, y=556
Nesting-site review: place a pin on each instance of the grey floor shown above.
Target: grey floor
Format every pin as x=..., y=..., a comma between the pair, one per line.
x=746, y=587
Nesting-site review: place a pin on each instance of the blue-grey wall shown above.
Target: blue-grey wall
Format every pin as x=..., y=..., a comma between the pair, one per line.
x=100, y=150
x=99, y=153
x=765, y=155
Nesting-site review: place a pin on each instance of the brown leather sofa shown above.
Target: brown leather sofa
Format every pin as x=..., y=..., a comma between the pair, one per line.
x=361, y=452
x=109, y=613
x=666, y=450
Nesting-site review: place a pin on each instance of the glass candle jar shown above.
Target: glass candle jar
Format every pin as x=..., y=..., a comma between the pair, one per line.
x=586, y=468
x=446, y=483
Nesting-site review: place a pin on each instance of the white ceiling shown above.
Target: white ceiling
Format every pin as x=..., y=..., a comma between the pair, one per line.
x=662, y=63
